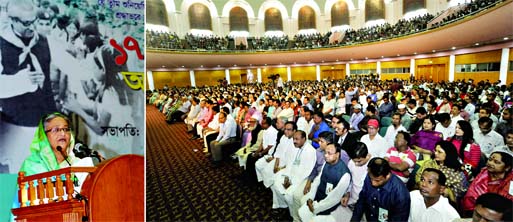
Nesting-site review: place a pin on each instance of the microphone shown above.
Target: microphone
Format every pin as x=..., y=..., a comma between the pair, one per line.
x=59, y=148
x=81, y=151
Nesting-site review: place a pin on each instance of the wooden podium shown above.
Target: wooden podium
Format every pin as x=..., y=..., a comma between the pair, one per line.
x=113, y=191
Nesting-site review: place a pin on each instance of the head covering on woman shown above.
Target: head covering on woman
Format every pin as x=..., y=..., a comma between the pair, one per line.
x=42, y=158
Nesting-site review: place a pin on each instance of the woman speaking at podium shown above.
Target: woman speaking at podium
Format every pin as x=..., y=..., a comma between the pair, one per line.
x=51, y=147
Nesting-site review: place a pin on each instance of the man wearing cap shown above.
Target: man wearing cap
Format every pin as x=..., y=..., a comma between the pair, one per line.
x=26, y=94
x=405, y=118
x=376, y=144
x=356, y=117
x=256, y=140
x=419, y=120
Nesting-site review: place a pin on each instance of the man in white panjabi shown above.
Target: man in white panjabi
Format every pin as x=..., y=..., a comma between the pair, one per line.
x=299, y=165
x=268, y=165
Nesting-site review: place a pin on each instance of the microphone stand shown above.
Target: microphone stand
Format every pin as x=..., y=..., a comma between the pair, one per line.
x=75, y=179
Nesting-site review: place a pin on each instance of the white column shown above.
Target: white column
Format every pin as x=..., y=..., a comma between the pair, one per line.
x=259, y=75
x=193, y=78
x=452, y=63
x=289, y=74
x=412, y=67
x=149, y=76
x=227, y=75
x=348, y=72
x=503, y=73
x=378, y=69
x=318, y=72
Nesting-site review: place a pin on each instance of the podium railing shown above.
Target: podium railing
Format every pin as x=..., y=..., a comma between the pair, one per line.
x=35, y=189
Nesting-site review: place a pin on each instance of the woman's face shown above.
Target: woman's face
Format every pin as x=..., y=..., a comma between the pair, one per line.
x=495, y=164
x=58, y=133
x=440, y=154
x=427, y=125
x=458, y=131
x=72, y=29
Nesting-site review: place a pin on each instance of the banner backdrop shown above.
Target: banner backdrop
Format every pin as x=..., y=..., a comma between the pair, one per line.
x=82, y=58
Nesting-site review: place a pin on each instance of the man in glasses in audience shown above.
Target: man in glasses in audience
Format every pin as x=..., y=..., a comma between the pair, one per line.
x=26, y=92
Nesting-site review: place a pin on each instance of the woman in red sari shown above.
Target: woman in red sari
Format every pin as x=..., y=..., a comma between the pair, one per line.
x=496, y=177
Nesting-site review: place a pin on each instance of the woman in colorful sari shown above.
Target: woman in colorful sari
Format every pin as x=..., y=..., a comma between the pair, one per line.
x=445, y=158
x=424, y=140
x=496, y=177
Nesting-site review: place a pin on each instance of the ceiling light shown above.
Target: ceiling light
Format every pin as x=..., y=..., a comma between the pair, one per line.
x=201, y=66
x=477, y=43
x=366, y=57
x=183, y=66
x=398, y=54
x=337, y=60
x=415, y=53
x=218, y=65
x=506, y=38
x=382, y=56
x=351, y=59
x=235, y=65
x=322, y=61
x=265, y=64
x=434, y=50
x=453, y=48
x=163, y=66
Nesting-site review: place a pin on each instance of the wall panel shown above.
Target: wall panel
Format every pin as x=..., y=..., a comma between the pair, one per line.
x=482, y=57
x=175, y=78
x=333, y=71
x=208, y=77
x=303, y=73
x=477, y=76
x=395, y=64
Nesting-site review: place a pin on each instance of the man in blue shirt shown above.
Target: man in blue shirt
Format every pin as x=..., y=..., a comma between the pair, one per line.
x=386, y=108
x=384, y=196
x=319, y=126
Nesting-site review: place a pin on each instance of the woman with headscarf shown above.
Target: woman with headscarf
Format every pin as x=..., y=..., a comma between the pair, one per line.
x=51, y=148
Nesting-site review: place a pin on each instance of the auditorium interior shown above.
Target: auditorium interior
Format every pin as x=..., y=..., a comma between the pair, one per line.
x=241, y=52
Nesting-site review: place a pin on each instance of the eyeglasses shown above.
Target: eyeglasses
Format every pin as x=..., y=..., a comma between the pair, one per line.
x=24, y=23
x=56, y=130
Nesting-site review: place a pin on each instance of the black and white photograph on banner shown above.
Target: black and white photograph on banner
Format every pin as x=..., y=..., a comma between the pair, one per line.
x=81, y=58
